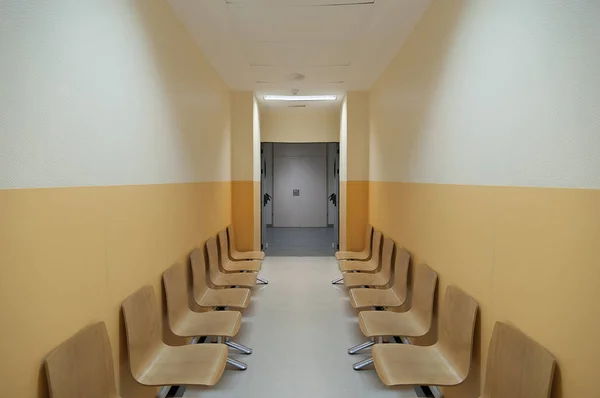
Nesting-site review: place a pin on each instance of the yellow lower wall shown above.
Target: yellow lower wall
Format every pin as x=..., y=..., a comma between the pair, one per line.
x=529, y=256
x=245, y=212
x=357, y=205
x=69, y=256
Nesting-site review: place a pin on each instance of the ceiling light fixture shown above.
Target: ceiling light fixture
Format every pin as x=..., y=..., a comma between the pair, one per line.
x=300, y=97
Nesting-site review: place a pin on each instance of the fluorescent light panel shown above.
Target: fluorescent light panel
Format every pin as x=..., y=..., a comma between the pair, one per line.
x=300, y=97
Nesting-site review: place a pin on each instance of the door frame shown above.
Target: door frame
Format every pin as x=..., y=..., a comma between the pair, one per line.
x=264, y=244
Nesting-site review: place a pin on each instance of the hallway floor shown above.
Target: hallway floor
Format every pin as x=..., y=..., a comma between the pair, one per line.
x=300, y=242
x=300, y=327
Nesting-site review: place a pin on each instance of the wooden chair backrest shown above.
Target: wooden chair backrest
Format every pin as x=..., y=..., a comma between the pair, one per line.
x=223, y=247
x=423, y=294
x=369, y=239
x=517, y=366
x=199, y=270
x=82, y=366
x=401, y=265
x=456, y=329
x=213, y=256
x=377, y=248
x=231, y=236
x=143, y=327
x=387, y=257
x=176, y=293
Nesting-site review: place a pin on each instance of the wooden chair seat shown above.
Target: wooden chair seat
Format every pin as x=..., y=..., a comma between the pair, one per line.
x=236, y=255
x=247, y=279
x=447, y=362
x=372, y=265
x=353, y=256
x=369, y=297
x=358, y=266
x=231, y=298
x=241, y=266
x=387, y=323
x=220, y=279
x=154, y=363
x=205, y=296
x=394, y=296
x=402, y=364
x=379, y=279
x=214, y=323
x=226, y=264
x=187, y=323
x=188, y=365
x=364, y=255
x=357, y=279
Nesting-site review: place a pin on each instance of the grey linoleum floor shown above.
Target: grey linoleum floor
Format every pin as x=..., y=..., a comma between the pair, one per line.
x=300, y=327
x=300, y=242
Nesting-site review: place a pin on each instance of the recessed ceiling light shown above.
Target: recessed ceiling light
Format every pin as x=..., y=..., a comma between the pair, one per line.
x=300, y=97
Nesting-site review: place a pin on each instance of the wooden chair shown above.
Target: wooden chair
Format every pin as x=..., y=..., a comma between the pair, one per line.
x=373, y=265
x=364, y=255
x=187, y=323
x=394, y=296
x=152, y=362
x=445, y=363
x=82, y=366
x=229, y=266
x=379, y=279
x=220, y=279
x=517, y=366
x=415, y=322
x=235, y=255
x=207, y=297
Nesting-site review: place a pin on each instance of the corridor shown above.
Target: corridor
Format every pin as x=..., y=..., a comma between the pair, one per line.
x=300, y=328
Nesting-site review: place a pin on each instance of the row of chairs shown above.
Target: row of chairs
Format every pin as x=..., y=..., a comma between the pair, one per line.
x=377, y=279
x=221, y=281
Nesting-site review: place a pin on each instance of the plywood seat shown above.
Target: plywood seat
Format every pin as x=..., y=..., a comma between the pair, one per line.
x=401, y=364
x=236, y=255
x=207, y=297
x=154, y=363
x=387, y=323
x=363, y=255
x=415, y=322
x=380, y=279
x=394, y=296
x=517, y=366
x=372, y=265
x=187, y=323
x=220, y=279
x=447, y=362
x=82, y=366
x=227, y=265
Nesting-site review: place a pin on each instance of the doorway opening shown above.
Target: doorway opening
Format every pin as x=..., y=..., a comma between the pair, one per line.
x=300, y=199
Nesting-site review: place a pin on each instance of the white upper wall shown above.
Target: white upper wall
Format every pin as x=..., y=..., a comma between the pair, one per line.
x=106, y=92
x=493, y=93
x=311, y=124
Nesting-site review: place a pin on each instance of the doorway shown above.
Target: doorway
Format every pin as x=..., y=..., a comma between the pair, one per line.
x=300, y=195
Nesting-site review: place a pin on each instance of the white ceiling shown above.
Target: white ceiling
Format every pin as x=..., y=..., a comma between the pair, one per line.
x=265, y=45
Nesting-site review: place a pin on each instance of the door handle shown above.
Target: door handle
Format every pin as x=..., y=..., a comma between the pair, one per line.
x=333, y=199
x=266, y=199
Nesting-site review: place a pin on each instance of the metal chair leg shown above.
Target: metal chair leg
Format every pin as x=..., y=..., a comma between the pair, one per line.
x=337, y=281
x=362, y=364
x=242, y=348
x=262, y=281
x=237, y=364
x=361, y=346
